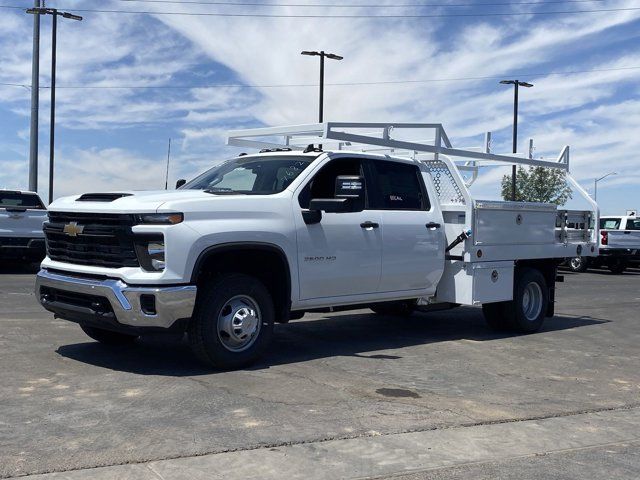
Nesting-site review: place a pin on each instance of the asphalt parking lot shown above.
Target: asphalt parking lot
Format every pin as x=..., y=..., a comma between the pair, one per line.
x=346, y=395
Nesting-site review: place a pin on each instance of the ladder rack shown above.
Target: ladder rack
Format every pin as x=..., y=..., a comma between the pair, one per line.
x=363, y=136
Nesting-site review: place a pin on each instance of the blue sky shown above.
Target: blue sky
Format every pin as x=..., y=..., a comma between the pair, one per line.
x=116, y=138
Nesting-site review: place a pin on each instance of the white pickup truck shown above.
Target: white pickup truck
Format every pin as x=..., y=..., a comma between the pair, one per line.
x=619, y=245
x=266, y=237
x=21, y=217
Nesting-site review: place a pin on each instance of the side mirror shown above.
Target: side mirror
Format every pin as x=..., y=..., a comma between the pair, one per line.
x=330, y=205
x=180, y=183
x=349, y=196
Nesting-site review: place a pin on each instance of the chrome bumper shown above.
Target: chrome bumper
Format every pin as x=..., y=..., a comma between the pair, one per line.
x=171, y=303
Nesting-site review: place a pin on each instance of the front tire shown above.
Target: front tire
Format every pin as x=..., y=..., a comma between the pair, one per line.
x=233, y=322
x=578, y=264
x=108, y=337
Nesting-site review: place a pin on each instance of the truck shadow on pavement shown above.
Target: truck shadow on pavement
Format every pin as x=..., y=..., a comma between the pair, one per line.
x=358, y=334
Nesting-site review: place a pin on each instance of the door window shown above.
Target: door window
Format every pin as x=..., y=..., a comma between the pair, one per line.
x=397, y=186
x=633, y=224
x=323, y=184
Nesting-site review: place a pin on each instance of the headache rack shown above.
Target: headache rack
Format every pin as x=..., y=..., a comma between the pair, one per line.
x=446, y=165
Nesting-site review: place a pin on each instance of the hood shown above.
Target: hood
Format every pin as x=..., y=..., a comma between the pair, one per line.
x=124, y=201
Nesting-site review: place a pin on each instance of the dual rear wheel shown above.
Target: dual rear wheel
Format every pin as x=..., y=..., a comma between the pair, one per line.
x=528, y=309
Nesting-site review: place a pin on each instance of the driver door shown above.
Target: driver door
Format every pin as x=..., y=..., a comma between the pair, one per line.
x=341, y=255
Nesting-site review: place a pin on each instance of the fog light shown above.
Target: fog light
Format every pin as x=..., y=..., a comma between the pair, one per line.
x=155, y=250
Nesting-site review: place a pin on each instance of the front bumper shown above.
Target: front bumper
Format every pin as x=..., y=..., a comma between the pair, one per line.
x=112, y=303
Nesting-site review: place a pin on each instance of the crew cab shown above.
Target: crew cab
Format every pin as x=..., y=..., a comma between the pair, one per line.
x=21, y=217
x=619, y=245
x=268, y=236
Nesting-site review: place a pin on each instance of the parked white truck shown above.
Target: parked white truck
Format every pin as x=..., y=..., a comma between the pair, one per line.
x=266, y=237
x=619, y=245
x=21, y=217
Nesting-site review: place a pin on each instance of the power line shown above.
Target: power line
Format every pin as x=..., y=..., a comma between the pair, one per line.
x=338, y=84
x=333, y=16
x=358, y=5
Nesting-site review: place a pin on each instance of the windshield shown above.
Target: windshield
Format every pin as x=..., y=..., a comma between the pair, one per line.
x=20, y=200
x=251, y=175
x=610, y=223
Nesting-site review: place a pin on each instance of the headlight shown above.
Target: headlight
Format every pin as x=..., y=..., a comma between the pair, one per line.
x=159, y=218
x=150, y=250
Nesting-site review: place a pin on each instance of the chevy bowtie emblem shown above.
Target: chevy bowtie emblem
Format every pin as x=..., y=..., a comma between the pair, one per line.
x=73, y=229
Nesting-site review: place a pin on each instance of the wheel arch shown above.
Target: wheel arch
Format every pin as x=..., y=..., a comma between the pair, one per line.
x=266, y=261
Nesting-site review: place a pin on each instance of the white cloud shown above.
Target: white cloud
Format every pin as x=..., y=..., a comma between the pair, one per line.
x=584, y=110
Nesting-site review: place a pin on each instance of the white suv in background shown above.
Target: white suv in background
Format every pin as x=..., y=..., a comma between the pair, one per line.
x=21, y=217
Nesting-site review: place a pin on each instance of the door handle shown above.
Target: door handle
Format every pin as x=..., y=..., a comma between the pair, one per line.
x=432, y=225
x=369, y=225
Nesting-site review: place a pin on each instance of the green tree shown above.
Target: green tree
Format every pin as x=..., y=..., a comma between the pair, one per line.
x=538, y=184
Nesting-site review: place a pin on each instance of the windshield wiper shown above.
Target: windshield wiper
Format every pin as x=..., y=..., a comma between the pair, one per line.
x=222, y=191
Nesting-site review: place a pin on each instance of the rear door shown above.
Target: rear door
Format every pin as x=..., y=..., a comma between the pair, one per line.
x=21, y=215
x=412, y=228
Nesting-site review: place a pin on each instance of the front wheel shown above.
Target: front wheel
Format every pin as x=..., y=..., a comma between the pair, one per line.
x=233, y=321
x=578, y=264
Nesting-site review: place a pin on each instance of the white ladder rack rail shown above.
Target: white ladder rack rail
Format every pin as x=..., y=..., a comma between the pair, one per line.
x=298, y=137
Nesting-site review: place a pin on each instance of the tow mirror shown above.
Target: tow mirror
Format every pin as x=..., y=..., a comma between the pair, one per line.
x=349, y=196
x=180, y=183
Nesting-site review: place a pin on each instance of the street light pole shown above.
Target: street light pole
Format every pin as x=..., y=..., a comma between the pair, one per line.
x=52, y=121
x=516, y=84
x=322, y=54
x=54, y=40
x=35, y=100
x=595, y=184
x=321, y=95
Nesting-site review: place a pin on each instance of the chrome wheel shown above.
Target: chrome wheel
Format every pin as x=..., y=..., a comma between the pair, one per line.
x=239, y=323
x=576, y=263
x=532, y=301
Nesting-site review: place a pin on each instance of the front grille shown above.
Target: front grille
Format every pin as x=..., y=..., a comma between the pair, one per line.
x=106, y=240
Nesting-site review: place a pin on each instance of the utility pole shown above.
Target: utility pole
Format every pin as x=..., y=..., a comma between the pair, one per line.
x=35, y=99
x=516, y=84
x=52, y=124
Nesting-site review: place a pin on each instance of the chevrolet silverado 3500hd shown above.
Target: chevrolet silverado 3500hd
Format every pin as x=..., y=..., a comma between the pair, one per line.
x=265, y=237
